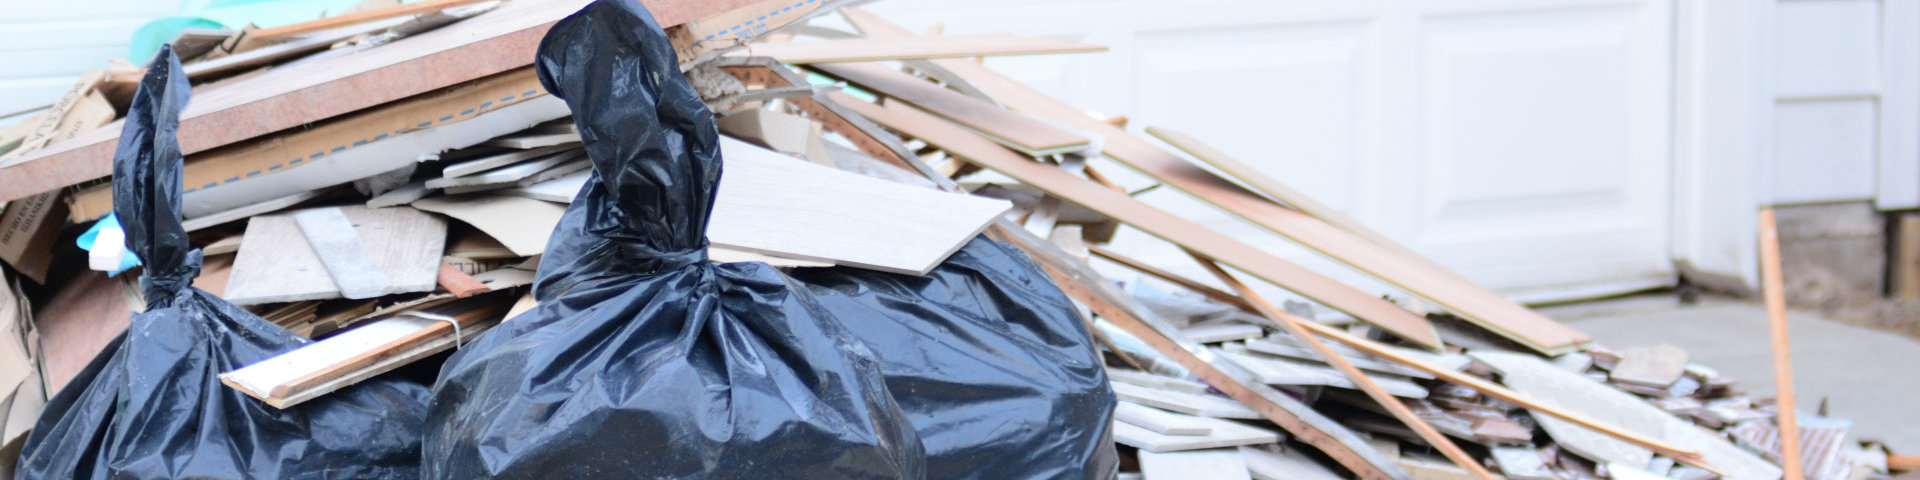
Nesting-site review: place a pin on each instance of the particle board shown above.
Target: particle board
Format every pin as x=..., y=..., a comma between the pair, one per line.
x=1161, y=421
x=277, y=264
x=950, y=46
x=305, y=92
x=1013, y=129
x=1577, y=394
x=1219, y=464
x=1150, y=219
x=1655, y=366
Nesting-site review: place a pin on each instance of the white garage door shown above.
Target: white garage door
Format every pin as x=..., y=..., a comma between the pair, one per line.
x=1522, y=142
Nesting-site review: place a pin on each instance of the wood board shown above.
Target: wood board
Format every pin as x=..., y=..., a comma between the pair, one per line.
x=277, y=264
x=951, y=46
x=1013, y=129
x=322, y=367
x=1150, y=219
x=301, y=93
x=346, y=259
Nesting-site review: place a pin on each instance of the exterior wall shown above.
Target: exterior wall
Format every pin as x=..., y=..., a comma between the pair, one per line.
x=45, y=45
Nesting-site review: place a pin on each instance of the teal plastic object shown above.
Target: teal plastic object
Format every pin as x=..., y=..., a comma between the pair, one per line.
x=229, y=14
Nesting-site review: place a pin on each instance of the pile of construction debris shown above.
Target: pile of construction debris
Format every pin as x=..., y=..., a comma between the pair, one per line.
x=350, y=179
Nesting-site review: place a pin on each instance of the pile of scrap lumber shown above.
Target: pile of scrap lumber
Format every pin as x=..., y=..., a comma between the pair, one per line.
x=385, y=182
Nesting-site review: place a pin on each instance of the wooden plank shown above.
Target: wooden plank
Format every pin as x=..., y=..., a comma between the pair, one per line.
x=1150, y=219
x=1904, y=274
x=322, y=367
x=301, y=93
x=491, y=162
x=406, y=9
x=277, y=264
x=1366, y=384
x=461, y=285
x=1080, y=282
x=1222, y=464
x=1221, y=434
x=1580, y=396
x=1161, y=421
x=1280, y=371
x=1776, y=298
x=1266, y=184
x=1474, y=303
x=1655, y=366
x=340, y=250
x=951, y=46
x=1007, y=127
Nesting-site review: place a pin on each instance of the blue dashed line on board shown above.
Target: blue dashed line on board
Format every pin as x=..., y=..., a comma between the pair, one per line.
x=763, y=18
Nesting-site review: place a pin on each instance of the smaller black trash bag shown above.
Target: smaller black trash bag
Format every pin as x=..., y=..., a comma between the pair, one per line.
x=990, y=361
x=151, y=404
x=644, y=360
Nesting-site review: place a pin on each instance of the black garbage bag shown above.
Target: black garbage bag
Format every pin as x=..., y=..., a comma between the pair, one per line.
x=151, y=404
x=990, y=361
x=644, y=360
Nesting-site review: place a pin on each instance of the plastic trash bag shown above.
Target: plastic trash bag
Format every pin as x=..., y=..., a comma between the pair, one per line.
x=644, y=360
x=151, y=404
x=991, y=362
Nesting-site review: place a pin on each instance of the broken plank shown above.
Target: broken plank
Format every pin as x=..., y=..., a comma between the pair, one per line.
x=1160, y=421
x=951, y=46
x=1221, y=464
x=1221, y=433
x=1013, y=129
x=459, y=284
x=1153, y=220
x=322, y=367
x=338, y=246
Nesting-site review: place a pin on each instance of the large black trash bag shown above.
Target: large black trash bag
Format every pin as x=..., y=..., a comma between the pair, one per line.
x=990, y=361
x=151, y=404
x=644, y=360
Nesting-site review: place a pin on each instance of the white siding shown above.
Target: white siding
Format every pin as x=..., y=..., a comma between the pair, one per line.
x=45, y=45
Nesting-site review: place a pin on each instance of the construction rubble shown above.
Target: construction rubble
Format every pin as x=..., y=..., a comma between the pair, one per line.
x=737, y=239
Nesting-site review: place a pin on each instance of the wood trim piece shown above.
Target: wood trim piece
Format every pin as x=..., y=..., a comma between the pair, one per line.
x=1160, y=223
x=357, y=17
x=1776, y=298
x=1393, y=405
x=302, y=93
x=322, y=367
x=1079, y=281
x=954, y=46
x=1006, y=127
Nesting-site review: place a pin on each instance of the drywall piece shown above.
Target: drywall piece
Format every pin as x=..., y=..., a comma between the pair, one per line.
x=1223, y=332
x=774, y=204
x=1188, y=403
x=1222, y=464
x=277, y=264
x=1166, y=225
x=1012, y=129
x=346, y=259
x=301, y=93
x=1278, y=371
x=399, y=196
x=557, y=171
x=1149, y=380
x=1655, y=366
x=491, y=162
x=1578, y=395
x=1266, y=464
x=1222, y=433
x=522, y=224
x=949, y=46
x=558, y=190
x=1283, y=346
x=1519, y=463
x=534, y=140
x=507, y=174
x=1161, y=421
